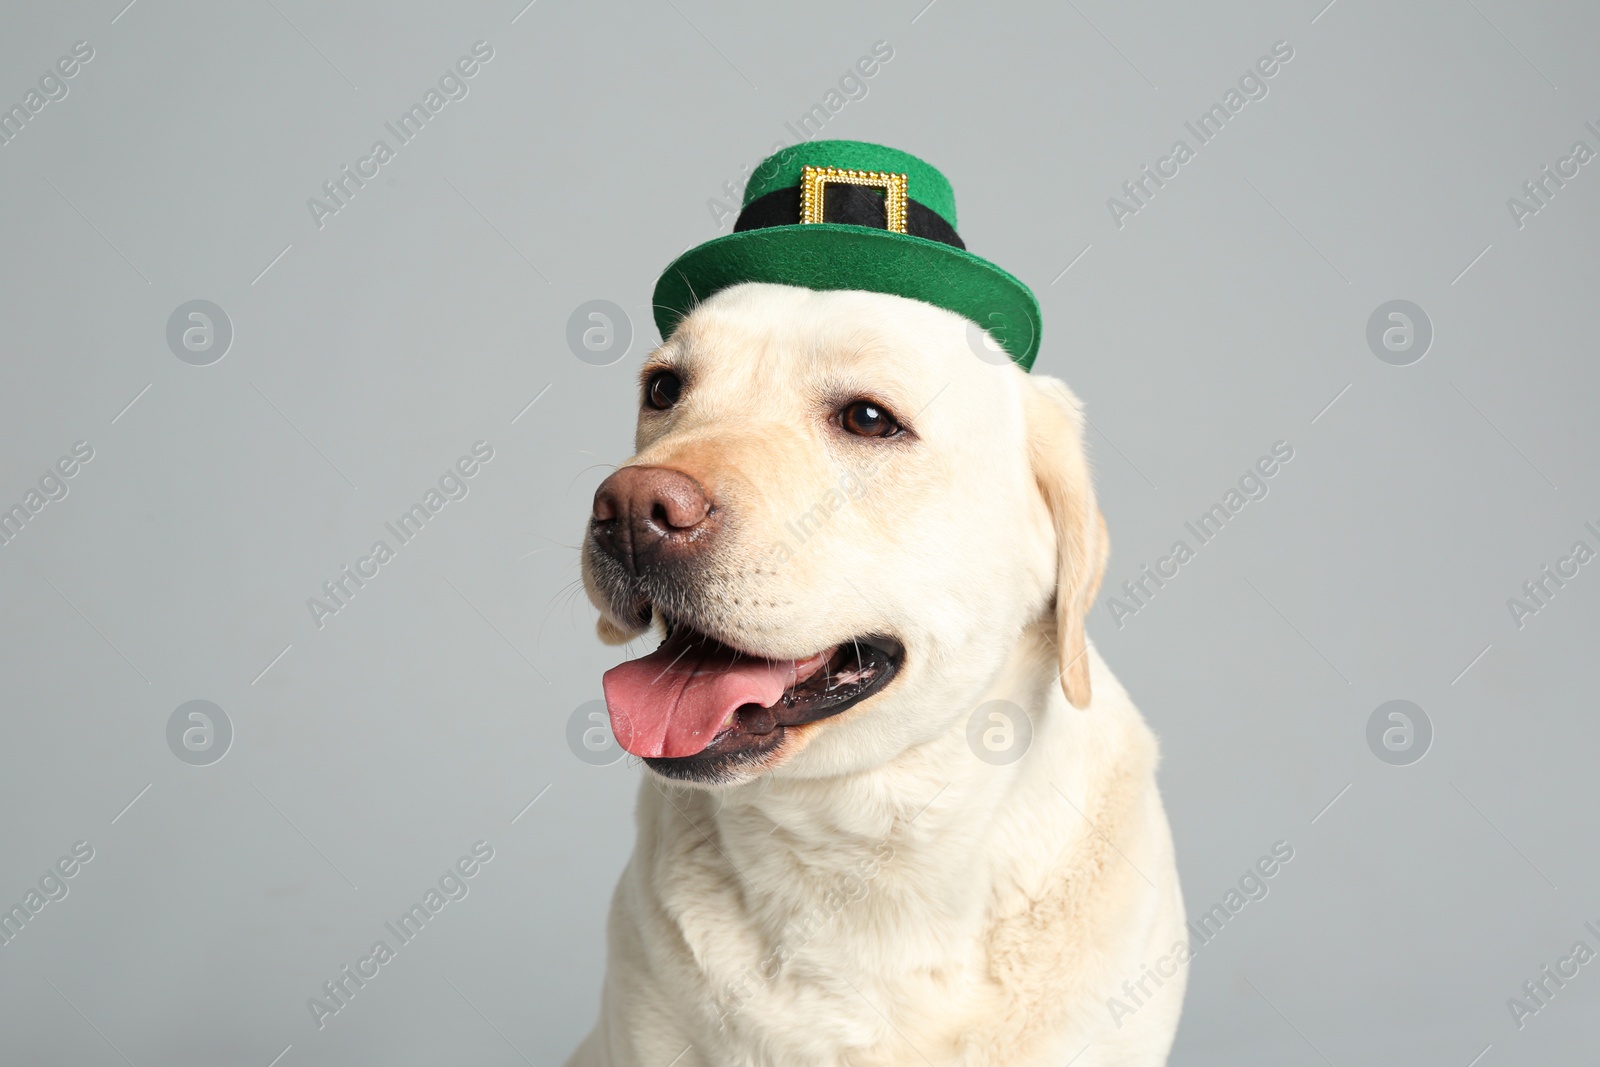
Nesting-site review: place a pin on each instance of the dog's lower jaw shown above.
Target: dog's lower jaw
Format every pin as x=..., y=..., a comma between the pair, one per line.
x=975, y=907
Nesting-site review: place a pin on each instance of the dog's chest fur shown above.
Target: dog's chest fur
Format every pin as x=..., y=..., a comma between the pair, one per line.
x=968, y=927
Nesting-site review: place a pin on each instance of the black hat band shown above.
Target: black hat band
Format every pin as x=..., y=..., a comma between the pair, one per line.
x=851, y=205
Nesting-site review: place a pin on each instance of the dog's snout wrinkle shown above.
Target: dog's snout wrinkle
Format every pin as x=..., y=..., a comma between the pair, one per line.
x=644, y=515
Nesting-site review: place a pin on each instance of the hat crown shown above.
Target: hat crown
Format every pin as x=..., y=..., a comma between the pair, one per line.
x=781, y=170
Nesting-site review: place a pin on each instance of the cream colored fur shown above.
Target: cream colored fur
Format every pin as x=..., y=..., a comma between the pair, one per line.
x=876, y=894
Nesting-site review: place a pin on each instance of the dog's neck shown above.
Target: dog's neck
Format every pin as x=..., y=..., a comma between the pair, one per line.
x=797, y=837
x=907, y=879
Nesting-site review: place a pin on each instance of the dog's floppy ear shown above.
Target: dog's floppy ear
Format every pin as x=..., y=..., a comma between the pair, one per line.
x=612, y=634
x=1055, y=450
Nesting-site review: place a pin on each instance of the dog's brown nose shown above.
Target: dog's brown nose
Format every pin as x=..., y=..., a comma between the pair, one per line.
x=648, y=515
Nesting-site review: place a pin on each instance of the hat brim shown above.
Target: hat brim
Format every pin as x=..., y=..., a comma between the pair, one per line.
x=828, y=255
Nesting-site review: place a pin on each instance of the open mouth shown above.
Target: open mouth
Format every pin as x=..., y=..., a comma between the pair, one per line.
x=698, y=709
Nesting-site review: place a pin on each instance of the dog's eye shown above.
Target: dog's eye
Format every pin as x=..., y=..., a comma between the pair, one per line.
x=866, y=419
x=662, y=389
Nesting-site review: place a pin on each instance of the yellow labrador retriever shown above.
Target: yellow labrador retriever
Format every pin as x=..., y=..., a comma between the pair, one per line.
x=856, y=537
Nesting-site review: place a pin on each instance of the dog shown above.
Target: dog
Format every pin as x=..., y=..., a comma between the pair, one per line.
x=869, y=547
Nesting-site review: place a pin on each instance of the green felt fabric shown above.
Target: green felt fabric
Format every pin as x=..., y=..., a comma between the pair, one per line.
x=828, y=255
x=781, y=170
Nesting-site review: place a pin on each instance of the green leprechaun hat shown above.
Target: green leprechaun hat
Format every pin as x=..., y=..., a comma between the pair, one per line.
x=853, y=215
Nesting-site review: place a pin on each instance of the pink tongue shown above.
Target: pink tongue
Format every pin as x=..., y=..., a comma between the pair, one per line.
x=675, y=700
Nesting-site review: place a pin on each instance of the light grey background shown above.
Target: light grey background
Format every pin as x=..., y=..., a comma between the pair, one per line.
x=370, y=353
